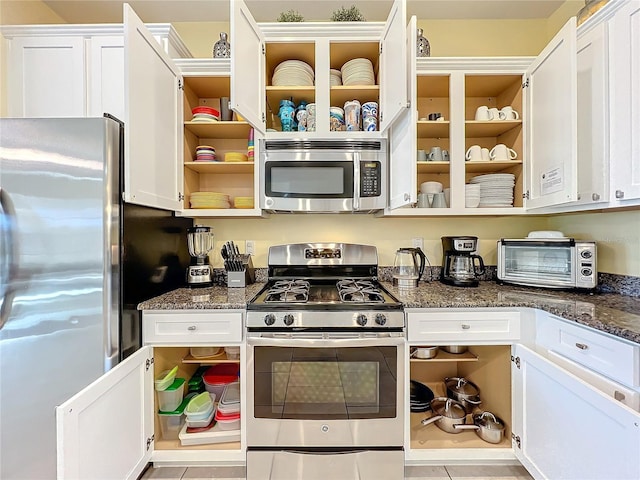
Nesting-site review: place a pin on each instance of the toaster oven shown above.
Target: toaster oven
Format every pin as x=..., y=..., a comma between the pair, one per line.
x=548, y=262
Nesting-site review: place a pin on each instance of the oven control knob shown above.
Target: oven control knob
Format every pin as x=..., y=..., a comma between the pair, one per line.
x=288, y=319
x=361, y=319
x=270, y=319
x=381, y=319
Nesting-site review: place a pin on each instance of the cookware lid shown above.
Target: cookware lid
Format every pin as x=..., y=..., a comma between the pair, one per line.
x=489, y=420
x=448, y=407
x=462, y=386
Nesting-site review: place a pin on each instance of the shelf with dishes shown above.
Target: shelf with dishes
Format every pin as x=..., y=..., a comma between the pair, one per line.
x=230, y=129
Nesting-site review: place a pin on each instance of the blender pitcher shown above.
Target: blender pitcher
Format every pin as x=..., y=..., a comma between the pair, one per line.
x=200, y=243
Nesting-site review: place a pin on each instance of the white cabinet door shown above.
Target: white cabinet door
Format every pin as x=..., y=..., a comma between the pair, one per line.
x=403, y=173
x=593, y=117
x=566, y=429
x=394, y=93
x=106, y=79
x=624, y=78
x=551, y=111
x=46, y=77
x=106, y=430
x=153, y=136
x=247, y=67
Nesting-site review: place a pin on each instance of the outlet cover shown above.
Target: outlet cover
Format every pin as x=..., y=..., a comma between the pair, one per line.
x=249, y=247
x=418, y=242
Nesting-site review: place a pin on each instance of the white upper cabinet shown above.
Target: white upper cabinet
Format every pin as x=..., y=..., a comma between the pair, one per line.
x=624, y=79
x=106, y=79
x=403, y=177
x=551, y=122
x=107, y=429
x=153, y=137
x=394, y=95
x=45, y=76
x=247, y=66
x=563, y=428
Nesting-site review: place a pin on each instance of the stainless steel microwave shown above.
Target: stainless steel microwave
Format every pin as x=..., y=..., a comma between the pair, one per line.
x=323, y=175
x=549, y=262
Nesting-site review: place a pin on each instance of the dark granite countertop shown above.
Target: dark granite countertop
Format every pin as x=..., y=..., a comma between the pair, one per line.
x=616, y=314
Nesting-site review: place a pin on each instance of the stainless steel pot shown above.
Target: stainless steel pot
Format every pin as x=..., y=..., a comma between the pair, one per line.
x=457, y=349
x=464, y=391
x=487, y=426
x=448, y=414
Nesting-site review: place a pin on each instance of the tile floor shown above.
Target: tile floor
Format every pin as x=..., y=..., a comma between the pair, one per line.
x=456, y=472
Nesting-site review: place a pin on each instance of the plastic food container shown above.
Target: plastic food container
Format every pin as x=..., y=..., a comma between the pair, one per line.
x=233, y=353
x=228, y=422
x=194, y=422
x=230, y=401
x=204, y=352
x=165, y=379
x=200, y=406
x=170, y=399
x=218, y=376
x=171, y=422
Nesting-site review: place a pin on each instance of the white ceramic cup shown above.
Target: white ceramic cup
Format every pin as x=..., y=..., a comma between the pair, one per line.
x=483, y=113
x=435, y=155
x=447, y=196
x=424, y=201
x=502, y=152
x=509, y=113
x=422, y=156
x=471, y=195
x=474, y=153
x=439, y=201
x=430, y=187
x=440, y=119
x=494, y=113
x=485, y=154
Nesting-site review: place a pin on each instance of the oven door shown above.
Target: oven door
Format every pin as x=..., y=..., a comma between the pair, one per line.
x=325, y=390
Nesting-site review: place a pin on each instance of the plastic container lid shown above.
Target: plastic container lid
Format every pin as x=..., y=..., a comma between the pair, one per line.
x=199, y=404
x=226, y=417
x=221, y=373
x=231, y=394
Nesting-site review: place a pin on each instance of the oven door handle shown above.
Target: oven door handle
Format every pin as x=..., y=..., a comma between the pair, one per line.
x=259, y=341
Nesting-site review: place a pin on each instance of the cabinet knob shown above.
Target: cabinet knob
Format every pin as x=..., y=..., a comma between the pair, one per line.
x=619, y=194
x=466, y=326
x=191, y=328
x=582, y=346
x=595, y=197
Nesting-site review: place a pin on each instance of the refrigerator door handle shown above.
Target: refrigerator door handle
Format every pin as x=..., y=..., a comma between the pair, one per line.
x=8, y=256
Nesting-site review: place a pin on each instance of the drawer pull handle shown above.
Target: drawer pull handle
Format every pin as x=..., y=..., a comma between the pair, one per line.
x=619, y=396
x=466, y=326
x=191, y=328
x=582, y=346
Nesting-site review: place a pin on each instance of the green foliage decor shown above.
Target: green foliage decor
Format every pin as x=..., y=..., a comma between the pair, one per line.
x=290, y=16
x=351, y=14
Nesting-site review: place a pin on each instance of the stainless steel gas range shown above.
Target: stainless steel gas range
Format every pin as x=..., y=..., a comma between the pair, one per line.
x=325, y=377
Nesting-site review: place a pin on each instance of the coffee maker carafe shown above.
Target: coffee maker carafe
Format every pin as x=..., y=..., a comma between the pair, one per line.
x=200, y=242
x=460, y=266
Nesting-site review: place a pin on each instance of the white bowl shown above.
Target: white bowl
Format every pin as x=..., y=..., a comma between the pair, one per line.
x=430, y=187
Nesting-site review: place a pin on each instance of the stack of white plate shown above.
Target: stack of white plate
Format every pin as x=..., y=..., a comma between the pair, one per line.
x=335, y=78
x=209, y=200
x=496, y=189
x=358, y=71
x=472, y=195
x=292, y=73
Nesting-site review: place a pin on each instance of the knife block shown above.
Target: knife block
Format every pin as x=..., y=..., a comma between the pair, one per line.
x=244, y=277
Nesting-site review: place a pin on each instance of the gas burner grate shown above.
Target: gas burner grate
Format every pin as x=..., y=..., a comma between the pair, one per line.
x=359, y=291
x=284, y=291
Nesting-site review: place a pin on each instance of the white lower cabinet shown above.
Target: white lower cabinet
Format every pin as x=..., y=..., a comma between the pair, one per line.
x=111, y=429
x=563, y=419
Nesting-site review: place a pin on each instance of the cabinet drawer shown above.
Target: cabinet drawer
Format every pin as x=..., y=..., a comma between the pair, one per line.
x=462, y=327
x=609, y=356
x=192, y=327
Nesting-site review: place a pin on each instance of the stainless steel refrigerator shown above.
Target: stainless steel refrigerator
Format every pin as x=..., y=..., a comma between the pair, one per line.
x=74, y=262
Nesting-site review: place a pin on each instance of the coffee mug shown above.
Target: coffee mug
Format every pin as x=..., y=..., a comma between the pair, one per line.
x=424, y=200
x=483, y=113
x=439, y=201
x=485, y=154
x=509, y=113
x=422, y=156
x=434, y=116
x=474, y=153
x=445, y=155
x=502, y=152
x=494, y=113
x=440, y=119
x=435, y=155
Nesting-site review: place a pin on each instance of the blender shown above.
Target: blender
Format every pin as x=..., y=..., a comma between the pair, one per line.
x=460, y=266
x=200, y=242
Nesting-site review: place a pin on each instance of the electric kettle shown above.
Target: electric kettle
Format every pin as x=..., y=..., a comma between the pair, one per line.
x=407, y=270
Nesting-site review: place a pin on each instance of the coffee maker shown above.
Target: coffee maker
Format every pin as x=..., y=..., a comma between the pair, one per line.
x=200, y=243
x=460, y=266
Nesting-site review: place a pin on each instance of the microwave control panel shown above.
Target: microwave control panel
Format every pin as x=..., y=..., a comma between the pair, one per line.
x=370, y=179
